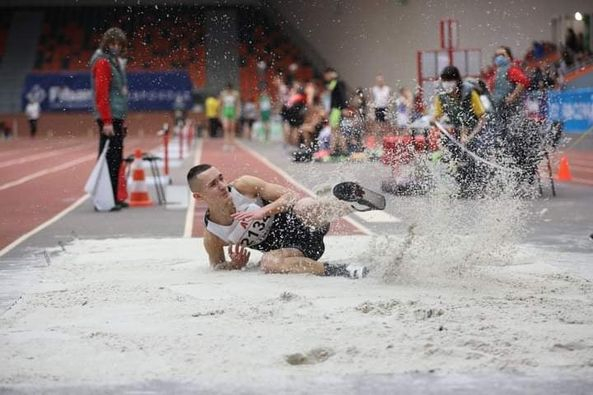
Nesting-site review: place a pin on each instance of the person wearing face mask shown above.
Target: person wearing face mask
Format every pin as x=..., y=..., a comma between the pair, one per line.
x=516, y=140
x=461, y=104
x=110, y=100
x=509, y=83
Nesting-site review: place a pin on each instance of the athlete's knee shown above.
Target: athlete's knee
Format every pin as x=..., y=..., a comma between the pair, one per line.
x=304, y=205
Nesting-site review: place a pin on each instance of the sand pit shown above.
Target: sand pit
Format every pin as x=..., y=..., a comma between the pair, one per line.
x=114, y=312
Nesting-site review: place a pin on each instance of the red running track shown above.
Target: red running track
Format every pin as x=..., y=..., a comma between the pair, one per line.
x=39, y=178
x=581, y=166
x=242, y=162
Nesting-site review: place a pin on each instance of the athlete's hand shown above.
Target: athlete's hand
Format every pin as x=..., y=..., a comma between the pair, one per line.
x=239, y=256
x=248, y=216
x=107, y=130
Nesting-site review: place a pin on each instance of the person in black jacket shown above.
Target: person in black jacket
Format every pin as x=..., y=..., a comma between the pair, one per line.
x=461, y=104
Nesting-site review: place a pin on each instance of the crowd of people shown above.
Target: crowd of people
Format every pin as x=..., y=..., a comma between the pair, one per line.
x=315, y=115
x=322, y=121
x=321, y=118
x=227, y=115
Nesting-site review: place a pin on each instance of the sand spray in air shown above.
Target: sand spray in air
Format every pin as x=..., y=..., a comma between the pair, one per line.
x=446, y=236
x=440, y=235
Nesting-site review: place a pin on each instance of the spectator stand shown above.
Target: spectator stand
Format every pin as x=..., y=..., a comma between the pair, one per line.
x=168, y=38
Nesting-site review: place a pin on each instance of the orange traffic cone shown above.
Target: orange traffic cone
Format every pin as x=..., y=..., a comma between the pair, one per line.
x=139, y=196
x=563, y=173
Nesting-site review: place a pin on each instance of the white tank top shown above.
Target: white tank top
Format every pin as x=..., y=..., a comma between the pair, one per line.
x=229, y=99
x=247, y=234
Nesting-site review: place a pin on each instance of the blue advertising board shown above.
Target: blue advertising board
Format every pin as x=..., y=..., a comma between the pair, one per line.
x=71, y=91
x=574, y=108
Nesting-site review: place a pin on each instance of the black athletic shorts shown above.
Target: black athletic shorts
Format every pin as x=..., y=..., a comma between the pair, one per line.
x=288, y=231
x=380, y=114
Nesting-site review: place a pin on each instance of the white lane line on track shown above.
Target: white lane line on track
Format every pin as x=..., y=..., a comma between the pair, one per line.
x=581, y=169
x=44, y=225
x=583, y=163
x=581, y=181
x=377, y=217
x=189, y=215
x=43, y=155
x=45, y=172
x=257, y=156
x=54, y=219
x=16, y=151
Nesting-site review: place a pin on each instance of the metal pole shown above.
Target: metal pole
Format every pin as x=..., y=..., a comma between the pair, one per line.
x=166, y=144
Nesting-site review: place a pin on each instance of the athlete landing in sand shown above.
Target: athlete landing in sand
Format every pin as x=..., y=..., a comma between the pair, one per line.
x=252, y=213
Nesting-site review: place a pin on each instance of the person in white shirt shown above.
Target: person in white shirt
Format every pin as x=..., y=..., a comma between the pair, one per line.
x=381, y=98
x=33, y=111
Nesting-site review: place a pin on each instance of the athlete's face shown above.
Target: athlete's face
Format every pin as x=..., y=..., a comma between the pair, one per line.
x=212, y=186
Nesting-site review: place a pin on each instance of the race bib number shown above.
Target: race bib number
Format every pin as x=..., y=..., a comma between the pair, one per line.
x=256, y=232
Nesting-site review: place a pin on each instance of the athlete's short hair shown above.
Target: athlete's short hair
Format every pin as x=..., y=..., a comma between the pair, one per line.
x=194, y=172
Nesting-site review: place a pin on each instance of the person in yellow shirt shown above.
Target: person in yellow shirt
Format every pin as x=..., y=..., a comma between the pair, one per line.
x=461, y=103
x=212, y=114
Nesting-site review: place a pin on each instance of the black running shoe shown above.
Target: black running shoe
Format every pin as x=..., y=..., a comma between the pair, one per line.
x=352, y=192
x=122, y=204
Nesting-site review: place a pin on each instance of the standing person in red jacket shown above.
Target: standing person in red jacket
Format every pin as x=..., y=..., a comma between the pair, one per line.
x=517, y=141
x=110, y=100
x=508, y=85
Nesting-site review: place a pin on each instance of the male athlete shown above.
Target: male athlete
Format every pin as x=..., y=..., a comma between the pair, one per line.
x=250, y=212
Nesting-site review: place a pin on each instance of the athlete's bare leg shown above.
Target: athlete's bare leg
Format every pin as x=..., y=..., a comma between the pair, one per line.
x=229, y=129
x=318, y=212
x=290, y=260
x=267, y=129
x=232, y=131
x=226, y=131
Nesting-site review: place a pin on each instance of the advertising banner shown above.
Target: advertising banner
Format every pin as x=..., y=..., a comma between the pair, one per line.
x=574, y=108
x=71, y=91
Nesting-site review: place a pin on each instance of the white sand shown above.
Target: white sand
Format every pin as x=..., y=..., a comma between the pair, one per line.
x=130, y=310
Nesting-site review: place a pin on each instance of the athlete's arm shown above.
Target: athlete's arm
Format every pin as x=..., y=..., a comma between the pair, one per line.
x=214, y=247
x=281, y=199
